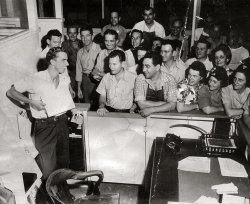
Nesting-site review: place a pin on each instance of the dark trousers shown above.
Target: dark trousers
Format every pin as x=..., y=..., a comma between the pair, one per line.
x=52, y=142
x=89, y=92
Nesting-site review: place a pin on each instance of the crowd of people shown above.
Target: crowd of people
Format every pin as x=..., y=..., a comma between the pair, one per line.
x=159, y=72
x=156, y=73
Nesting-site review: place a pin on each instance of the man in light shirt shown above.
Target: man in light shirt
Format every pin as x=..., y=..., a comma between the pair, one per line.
x=49, y=100
x=201, y=51
x=116, y=87
x=169, y=64
x=101, y=66
x=149, y=27
x=86, y=57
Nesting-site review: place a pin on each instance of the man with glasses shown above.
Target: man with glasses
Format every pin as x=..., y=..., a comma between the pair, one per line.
x=176, y=34
x=149, y=27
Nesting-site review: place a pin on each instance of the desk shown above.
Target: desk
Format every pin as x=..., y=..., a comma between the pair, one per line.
x=120, y=143
x=170, y=184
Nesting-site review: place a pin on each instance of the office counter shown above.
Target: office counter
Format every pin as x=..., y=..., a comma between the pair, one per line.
x=120, y=143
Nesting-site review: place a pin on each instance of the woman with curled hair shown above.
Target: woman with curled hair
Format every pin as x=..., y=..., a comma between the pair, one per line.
x=235, y=95
x=222, y=56
x=209, y=96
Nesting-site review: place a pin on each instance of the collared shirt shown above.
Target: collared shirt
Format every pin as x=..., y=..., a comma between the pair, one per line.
x=238, y=55
x=71, y=49
x=119, y=94
x=167, y=82
x=232, y=98
x=209, y=98
x=101, y=57
x=208, y=64
x=177, y=70
x=39, y=85
x=130, y=58
x=86, y=60
x=122, y=32
x=156, y=27
x=187, y=94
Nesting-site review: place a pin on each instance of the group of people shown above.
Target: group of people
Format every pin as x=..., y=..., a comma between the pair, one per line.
x=156, y=74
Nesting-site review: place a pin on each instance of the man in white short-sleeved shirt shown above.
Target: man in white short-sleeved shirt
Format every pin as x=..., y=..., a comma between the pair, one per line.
x=49, y=99
x=116, y=87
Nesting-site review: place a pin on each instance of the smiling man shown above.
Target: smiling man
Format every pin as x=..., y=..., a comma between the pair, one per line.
x=71, y=46
x=201, y=51
x=116, y=87
x=155, y=91
x=111, y=43
x=49, y=99
x=149, y=27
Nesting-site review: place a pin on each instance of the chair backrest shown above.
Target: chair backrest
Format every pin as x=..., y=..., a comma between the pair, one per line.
x=58, y=188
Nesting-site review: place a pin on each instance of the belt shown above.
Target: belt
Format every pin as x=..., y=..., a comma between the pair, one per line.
x=110, y=109
x=50, y=119
x=86, y=74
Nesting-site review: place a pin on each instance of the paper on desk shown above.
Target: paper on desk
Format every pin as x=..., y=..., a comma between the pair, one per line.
x=195, y=164
x=231, y=199
x=226, y=188
x=206, y=200
x=229, y=167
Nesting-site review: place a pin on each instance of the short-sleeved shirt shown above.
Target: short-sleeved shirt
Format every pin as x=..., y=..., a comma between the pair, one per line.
x=119, y=94
x=156, y=27
x=208, y=64
x=238, y=55
x=187, y=94
x=39, y=85
x=232, y=98
x=177, y=70
x=86, y=60
x=100, y=61
x=122, y=32
x=168, y=84
x=209, y=98
x=130, y=58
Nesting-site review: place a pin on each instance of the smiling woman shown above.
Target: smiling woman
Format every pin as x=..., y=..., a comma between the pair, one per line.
x=235, y=95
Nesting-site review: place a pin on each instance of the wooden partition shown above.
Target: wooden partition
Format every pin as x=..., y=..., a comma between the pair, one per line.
x=119, y=144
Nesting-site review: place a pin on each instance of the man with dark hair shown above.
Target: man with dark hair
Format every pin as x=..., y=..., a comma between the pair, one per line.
x=114, y=25
x=116, y=87
x=86, y=57
x=187, y=94
x=111, y=42
x=49, y=100
x=149, y=27
x=169, y=64
x=53, y=39
x=131, y=54
x=71, y=47
x=201, y=51
x=155, y=91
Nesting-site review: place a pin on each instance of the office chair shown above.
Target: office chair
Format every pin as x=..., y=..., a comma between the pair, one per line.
x=59, y=190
